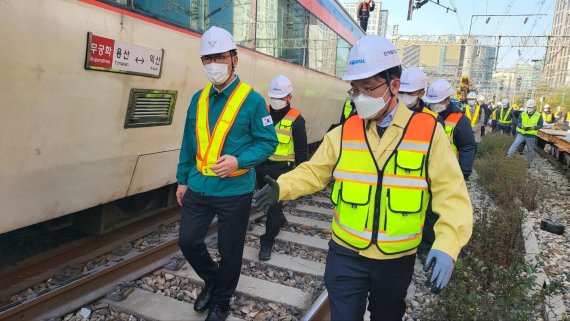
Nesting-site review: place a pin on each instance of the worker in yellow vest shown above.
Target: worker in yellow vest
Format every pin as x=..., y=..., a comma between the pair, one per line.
x=547, y=115
x=291, y=151
x=413, y=89
x=505, y=117
x=528, y=125
x=475, y=115
x=380, y=160
x=228, y=131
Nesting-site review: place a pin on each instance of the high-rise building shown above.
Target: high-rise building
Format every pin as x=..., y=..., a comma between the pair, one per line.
x=557, y=71
x=377, y=23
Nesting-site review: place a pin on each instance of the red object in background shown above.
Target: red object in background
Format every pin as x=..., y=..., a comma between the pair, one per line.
x=101, y=52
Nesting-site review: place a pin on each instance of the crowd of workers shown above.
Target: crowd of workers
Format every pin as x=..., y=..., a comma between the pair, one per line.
x=399, y=163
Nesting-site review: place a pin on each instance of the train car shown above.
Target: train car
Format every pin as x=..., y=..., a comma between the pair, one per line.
x=95, y=94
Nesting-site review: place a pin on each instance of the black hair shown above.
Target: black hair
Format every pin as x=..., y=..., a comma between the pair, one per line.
x=233, y=52
x=391, y=74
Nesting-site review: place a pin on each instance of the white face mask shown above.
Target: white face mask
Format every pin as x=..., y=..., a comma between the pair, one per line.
x=438, y=108
x=409, y=100
x=368, y=107
x=277, y=103
x=216, y=73
x=530, y=110
x=471, y=103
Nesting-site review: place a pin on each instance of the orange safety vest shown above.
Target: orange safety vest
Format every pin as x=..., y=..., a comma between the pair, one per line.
x=475, y=117
x=450, y=122
x=210, y=146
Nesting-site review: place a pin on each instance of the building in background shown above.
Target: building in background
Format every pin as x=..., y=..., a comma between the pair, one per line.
x=378, y=21
x=557, y=71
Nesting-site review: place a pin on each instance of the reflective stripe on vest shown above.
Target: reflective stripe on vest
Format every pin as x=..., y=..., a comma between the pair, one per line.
x=392, y=214
x=504, y=115
x=209, y=147
x=529, y=122
x=473, y=118
x=285, y=151
x=450, y=122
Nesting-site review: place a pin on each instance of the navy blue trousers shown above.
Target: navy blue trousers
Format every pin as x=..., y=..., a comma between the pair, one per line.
x=351, y=279
x=198, y=211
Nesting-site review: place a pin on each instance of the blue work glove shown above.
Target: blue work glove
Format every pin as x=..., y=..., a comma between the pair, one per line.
x=268, y=195
x=442, y=266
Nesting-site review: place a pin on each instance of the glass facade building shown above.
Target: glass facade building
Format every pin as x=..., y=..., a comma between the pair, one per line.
x=315, y=34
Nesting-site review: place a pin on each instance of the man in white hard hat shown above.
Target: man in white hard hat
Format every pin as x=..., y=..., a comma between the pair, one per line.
x=547, y=115
x=474, y=114
x=528, y=125
x=413, y=84
x=291, y=151
x=505, y=117
x=457, y=125
x=215, y=171
x=379, y=159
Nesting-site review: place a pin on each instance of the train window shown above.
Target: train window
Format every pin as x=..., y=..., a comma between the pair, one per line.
x=342, y=49
x=150, y=107
x=281, y=30
x=322, y=47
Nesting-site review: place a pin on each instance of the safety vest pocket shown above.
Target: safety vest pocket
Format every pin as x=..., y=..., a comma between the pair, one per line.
x=409, y=163
x=355, y=193
x=403, y=213
x=283, y=139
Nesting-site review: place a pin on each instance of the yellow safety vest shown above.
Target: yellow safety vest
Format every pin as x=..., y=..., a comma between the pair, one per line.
x=285, y=151
x=547, y=117
x=384, y=206
x=450, y=122
x=209, y=147
x=429, y=111
x=568, y=116
x=504, y=115
x=347, y=108
x=529, y=122
x=475, y=117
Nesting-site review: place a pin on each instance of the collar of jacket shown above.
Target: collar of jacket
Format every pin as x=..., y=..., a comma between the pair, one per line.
x=452, y=109
x=228, y=90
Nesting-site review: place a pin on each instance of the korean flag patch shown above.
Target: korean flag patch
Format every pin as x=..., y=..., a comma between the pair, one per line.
x=267, y=121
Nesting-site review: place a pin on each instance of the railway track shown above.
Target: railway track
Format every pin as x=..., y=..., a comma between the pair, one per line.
x=288, y=287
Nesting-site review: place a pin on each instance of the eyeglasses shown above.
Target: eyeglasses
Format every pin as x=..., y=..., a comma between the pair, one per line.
x=216, y=59
x=355, y=92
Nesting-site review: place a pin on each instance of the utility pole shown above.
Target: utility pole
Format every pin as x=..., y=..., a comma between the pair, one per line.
x=410, y=9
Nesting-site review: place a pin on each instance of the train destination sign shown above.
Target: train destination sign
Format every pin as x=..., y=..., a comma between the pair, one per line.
x=116, y=56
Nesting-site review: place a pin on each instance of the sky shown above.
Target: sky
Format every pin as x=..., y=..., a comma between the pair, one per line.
x=434, y=20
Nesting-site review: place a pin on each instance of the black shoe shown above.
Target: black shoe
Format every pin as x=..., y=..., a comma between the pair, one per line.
x=217, y=313
x=265, y=253
x=203, y=301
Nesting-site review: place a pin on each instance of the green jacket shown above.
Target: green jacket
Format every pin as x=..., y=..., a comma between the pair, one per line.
x=251, y=140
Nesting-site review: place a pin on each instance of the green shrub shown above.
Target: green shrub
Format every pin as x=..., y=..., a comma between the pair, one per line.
x=491, y=280
x=494, y=142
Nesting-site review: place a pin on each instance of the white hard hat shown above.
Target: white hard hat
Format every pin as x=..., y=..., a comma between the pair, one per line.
x=413, y=79
x=481, y=98
x=530, y=103
x=471, y=95
x=369, y=56
x=558, y=107
x=438, y=91
x=280, y=87
x=216, y=40
x=547, y=106
x=500, y=104
x=505, y=101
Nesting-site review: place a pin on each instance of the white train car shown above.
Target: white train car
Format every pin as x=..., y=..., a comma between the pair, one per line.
x=74, y=138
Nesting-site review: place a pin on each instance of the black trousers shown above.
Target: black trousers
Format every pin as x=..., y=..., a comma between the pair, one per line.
x=364, y=24
x=275, y=217
x=351, y=279
x=505, y=129
x=198, y=211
